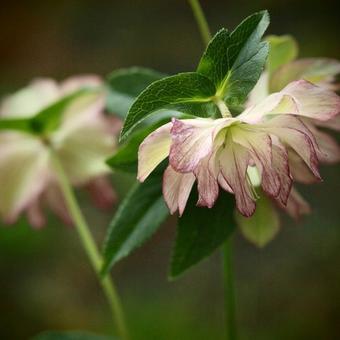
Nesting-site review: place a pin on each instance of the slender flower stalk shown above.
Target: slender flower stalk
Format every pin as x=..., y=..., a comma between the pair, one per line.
x=229, y=304
x=90, y=246
x=201, y=20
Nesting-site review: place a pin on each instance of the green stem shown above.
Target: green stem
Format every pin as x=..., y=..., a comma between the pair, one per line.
x=229, y=293
x=201, y=20
x=90, y=247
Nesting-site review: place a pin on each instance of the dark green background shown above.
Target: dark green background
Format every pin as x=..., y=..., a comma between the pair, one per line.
x=289, y=290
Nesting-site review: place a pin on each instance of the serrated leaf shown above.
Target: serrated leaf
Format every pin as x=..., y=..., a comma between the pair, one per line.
x=262, y=227
x=214, y=63
x=71, y=335
x=125, y=85
x=234, y=61
x=282, y=50
x=243, y=79
x=139, y=215
x=185, y=92
x=200, y=231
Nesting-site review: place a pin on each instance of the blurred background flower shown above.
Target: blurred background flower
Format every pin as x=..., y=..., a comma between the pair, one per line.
x=288, y=290
x=82, y=142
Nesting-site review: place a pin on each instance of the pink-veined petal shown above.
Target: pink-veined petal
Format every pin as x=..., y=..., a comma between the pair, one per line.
x=259, y=145
x=293, y=133
x=153, y=150
x=207, y=185
x=281, y=165
x=313, y=101
x=296, y=205
x=192, y=140
x=332, y=124
x=299, y=169
x=234, y=160
x=329, y=148
x=176, y=189
x=276, y=103
x=298, y=98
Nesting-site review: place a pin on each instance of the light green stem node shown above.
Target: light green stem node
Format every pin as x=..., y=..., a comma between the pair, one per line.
x=222, y=107
x=90, y=247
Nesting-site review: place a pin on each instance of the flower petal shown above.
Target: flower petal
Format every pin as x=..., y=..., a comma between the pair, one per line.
x=84, y=149
x=259, y=145
x=24, y=163
x=153, y=150
x=192, y=140
x=260, y=90
x=319, y=71
x=35, y=215
x=31, y=99
x=207, y=185
x=296, y=205
x=313, y=101
x=299, y=169
x=234, y=160
x=292, y=132
x=281, y=165
x=332, y=124
x=329, y=148
x=176, y=189
x=298, y=98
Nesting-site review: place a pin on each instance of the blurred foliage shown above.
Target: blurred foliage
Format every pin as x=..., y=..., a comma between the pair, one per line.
x=288, y=290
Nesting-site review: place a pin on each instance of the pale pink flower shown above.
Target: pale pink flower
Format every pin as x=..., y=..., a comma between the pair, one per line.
x=321, y=72
x=219, y=153
x=82, y=142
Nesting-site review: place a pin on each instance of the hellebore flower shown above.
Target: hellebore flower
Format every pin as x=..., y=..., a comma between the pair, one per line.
x=220, y=153
x=82, y=142
x=321, y=72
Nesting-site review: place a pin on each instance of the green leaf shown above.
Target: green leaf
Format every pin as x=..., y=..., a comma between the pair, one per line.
x=138, y=217
x=247, y=56
x=125, y=85
x=185, y=92
x=200, y=231
x=282, y=50
x=234, y=61
x=71, y=335
x=263, y=226
x=214, y=63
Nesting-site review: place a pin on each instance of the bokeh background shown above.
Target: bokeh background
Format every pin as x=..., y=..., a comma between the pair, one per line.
x=289, y=290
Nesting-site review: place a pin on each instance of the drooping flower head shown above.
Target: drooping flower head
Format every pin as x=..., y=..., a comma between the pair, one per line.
x=283, y=68
x=220, y=153
x=82, y=142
